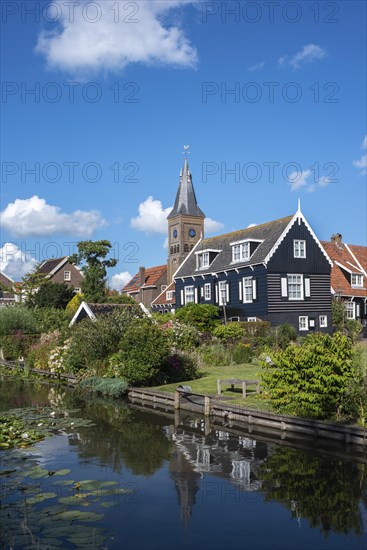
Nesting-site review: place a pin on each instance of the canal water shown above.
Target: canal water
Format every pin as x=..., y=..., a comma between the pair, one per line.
x=137, y=479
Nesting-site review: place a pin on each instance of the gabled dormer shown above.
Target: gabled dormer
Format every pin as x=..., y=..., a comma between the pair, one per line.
x=204, y=258
x=243, y=250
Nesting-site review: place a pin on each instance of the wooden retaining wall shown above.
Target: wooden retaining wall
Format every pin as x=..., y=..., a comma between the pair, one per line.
x=15, y=365
x=211, y=406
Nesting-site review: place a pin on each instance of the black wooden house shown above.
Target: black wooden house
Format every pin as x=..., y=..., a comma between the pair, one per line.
x=276, y=271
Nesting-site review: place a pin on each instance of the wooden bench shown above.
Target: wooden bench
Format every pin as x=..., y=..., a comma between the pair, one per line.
x=235, y=382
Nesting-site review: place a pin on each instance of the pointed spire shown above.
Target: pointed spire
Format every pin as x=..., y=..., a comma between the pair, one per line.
x=186, y=202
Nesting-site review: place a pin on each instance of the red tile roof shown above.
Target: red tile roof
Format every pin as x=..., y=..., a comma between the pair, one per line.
x=152, y=275
x=354, y=260
x=162, y=298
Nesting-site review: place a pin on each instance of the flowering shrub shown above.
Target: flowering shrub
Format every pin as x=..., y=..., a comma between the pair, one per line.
x=181, y=337
x=56, y=362
x=39, y=353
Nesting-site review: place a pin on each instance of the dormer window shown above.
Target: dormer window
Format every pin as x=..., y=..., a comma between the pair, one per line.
x=203, y=260
x=299, y=249
x=241, y=252
x=67, y=275
x=357, y=280
x=205, y=257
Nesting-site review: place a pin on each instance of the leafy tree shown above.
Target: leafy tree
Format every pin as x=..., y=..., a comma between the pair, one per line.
x=338, y=313
x=32, y=280
x=92, y=342
x=144, y=348
x=310, y=379
x=75, y=302
x=49, y=294
x=91, y=256
x=203, y=316
x=50, y=319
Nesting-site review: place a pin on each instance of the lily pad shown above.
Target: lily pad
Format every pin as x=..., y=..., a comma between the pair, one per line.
x=77, y=515
x=40, y=498
x=92, y=485
x=62, y=472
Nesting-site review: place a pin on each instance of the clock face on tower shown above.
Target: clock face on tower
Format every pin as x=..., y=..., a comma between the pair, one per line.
x=175, y=233
x=192, y=232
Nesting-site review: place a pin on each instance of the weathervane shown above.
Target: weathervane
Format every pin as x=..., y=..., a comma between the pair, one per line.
x=186, y=151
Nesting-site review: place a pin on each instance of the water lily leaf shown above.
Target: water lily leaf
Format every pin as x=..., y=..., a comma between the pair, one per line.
x=62, y=472
x=76, y=500
x=91, y=485
x=40, y=498
x=64, y=482
x=74, y=515
x=37, y=473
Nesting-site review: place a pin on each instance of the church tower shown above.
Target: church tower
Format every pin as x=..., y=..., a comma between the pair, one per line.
x=185, y=223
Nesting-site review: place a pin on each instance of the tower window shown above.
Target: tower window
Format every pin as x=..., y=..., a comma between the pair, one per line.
x=171, y=249
x=186, y=248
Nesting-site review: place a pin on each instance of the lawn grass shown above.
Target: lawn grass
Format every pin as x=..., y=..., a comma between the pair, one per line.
x=207, y=384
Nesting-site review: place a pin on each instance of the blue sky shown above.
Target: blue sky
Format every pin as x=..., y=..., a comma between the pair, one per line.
x=269, y=96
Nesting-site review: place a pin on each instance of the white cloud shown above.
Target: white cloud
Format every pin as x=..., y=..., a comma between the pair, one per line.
x=362, y=162
x=34, y=217
x=256, y=67
x=114, y=40
x=165, y=243
x=211, y=226
x=119, y=280
x=308, y=54
x=251, y=225
x=14, y=262
x=152, y=217
x=299, y=179
x=324, y=181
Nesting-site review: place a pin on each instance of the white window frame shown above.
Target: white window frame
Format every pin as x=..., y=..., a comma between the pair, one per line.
x=207, y=291
x=295, y=279
x=189, y=294
x=169, y=294
x=163, y=287
x=251, y=319
x=241, y=252
x=67, y=276
x=303, y=322
x=247, y=290
x=299, y=248
x=323, y=321
x=351, y=310
x=357, y=280
x=223, y=289
x=203, y=260
x=77, y=290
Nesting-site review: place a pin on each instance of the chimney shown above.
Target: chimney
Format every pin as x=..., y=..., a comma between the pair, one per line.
x=141, y=276
x=336, y=238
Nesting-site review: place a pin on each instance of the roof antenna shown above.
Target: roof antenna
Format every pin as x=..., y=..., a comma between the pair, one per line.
x=299, y=205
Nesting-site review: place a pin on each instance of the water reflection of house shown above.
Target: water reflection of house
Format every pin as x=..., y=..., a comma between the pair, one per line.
x=233, y=458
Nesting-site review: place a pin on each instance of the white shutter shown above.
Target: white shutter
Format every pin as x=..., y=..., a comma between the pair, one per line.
x=284, y=284
x=358, y=310
x=227, y=292
x=196, y=295
x=240, y=290
x=182, y=298
x=216, y=294
x=307, y=287
x=202, y=291
x=254, y=289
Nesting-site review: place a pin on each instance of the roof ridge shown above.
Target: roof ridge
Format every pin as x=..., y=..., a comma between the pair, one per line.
x=247, y=228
